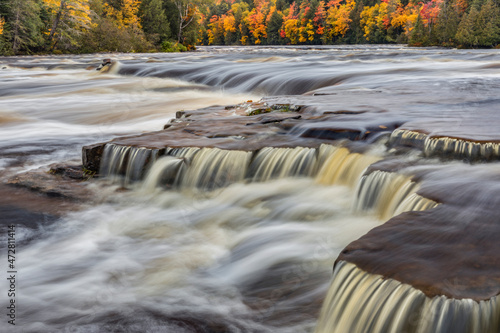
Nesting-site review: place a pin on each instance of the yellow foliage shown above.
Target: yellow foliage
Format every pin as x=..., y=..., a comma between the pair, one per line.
x=130, y=10
x=125, y=17
x=75, y=12
x=373, y=18
x=2, y=22
x=229, y=24
x=338, y=18
x=306, y=32
x=292, y=31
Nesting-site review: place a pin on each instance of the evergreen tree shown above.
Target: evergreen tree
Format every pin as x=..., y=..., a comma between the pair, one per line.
x=273, y=29
x=447, y=24
x=355, y=34
x=486, y=25
x=419, y=35
x=154, y=21
x=465, y=34
x=24, y=26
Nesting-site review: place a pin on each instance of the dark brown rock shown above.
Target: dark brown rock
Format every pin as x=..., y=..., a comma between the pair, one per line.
x=64, y=183
x=450, y=250
x=91, y=156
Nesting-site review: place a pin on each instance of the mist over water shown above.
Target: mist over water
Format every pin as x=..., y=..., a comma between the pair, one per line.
x=250, y=256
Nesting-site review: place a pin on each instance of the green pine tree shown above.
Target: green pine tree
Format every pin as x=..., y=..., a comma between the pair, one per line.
x=486, y=26
x=24, y=26
x=447, y=24
x=419, y=35
x=154, y=21
x=466, y=36
x=273, y=29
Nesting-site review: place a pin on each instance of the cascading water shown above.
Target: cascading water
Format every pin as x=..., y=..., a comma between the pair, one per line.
x=254, y=253
x=271, y=163
x=389, y=194
x=209, y=168
x=129, y=162
x=447, y=147
x=344, y=168
x=384, y=305
x=213, y=168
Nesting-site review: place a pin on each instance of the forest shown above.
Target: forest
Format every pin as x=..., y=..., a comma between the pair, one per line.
x=84, y=26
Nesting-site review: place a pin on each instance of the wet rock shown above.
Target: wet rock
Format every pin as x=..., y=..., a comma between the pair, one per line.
x=62, y=182
x=31, y=210
x=450, y=250
x=91, y=156
x=240, y=128
x=69, y=171
x=105, y=63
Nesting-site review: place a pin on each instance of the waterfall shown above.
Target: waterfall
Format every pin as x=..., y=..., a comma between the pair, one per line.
x=113, y=159
x=138, y=159
x=414, y=202
x=272, y=163
x=344, y=168
x=457, y=148
x=446, y=147
x=165, y=172
x=358, y=301
x=187, y=153
x=401, y=137
x=125, y=161
x=210, y=168
x=389, y=194
x=213, y=168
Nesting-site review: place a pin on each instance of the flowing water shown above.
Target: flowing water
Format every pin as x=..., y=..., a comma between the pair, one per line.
x=211, y=240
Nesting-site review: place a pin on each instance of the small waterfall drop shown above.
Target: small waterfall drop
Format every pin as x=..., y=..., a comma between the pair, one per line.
x=208, y=168
x=165, y=172
x=344, y=168
x=128, y=162
x=361, y=302
x=389, y=194
x=113, y=159
x=187, y=153
x=403, y=137
x=457, y=148
x=446, y=147
x=138, y=159
x=213, y=168
x=415, y=202
x=270, y=163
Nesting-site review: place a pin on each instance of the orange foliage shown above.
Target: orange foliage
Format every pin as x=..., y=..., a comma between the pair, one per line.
x=330, y=20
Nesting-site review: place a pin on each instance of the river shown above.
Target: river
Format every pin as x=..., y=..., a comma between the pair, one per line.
x=250, y=256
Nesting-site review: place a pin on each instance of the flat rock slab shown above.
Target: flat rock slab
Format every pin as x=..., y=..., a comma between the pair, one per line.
x=451, y=250
x=65, y=182
x=252, y=126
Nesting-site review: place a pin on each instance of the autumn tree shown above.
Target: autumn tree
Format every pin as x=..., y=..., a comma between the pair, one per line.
x=187, y=12
x=338, y=19
x=2, y=23
x=69, y=19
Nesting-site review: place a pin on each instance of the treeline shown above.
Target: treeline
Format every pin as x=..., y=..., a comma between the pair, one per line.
x=458, y=23
x=82, y=26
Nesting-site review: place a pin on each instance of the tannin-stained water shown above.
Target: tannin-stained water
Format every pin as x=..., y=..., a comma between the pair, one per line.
x=255, y=252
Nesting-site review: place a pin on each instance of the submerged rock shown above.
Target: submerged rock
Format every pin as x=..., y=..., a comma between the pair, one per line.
x=59, y=182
